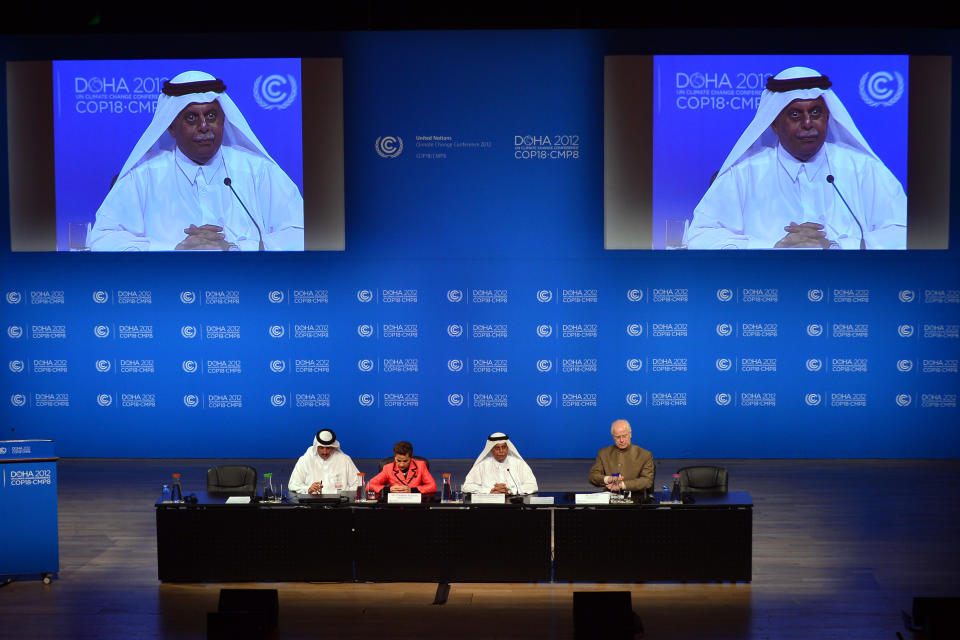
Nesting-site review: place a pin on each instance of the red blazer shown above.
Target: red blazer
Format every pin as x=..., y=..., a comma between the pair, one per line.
x=418, y=477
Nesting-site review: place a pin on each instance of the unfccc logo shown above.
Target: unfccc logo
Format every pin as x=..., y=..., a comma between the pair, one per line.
x=634, y=330
x=454, y=295
x=278, y=399
x=724, y=295
x=634, y=295
x=904, y=400
x=276, y=91
x=364, y=295
x=389, y=146
x=366, y=399
x=724, y=329
x=103, y=365
x=905, y=330
x=191, y=400
x=455, y=399
x=364, y=330
x=634, y=364
x=544, y=399
x=100, y=297
x=188, y=297
x=277, y=366
x=634, y=399
x=275, y=296
x=881, y=88
x=16, y=366
x=18, y=399
x=454, y=330
x=544, y=295
x=814, y=330
x=188, y=331
x=276, y=331
x=101, y=331
x=812, y=399
x=455, y=365
x=904, y=365
x=724, y=364
x=544, y=366
x=14, y=331
x=906, y=295
x=815, y=295
x=13, y=297
x=814, y=364
x=104, y=399
x=365, y=365
x=723, y=399
x=544, y=331
x=190, y=366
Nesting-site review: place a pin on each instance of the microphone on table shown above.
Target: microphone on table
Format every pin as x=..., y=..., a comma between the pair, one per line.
x=515, y=483
x=229, y=183
x=863, y=244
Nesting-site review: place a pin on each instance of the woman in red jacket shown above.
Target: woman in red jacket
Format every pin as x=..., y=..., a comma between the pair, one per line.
x=404, y=474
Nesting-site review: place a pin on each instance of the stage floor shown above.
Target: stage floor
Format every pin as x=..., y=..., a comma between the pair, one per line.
x=840, y=547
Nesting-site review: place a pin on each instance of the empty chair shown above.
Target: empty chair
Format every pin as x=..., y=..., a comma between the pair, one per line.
x=703, y=479
x=232, y=480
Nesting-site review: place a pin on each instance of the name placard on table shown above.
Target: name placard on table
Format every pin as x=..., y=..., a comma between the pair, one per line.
x=593, y=498
x=403, y=498
x=488, y=498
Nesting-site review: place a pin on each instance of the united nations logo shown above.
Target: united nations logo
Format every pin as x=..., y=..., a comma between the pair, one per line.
x=278, y=399
x=188, y=297
x=544, y=295
x=724, y=295
x=278, y=366
x=634, y=295
x=634, y=364
x=364, y=330
x=634, y=399
x=389, y=146
x=904, y=365
x=544, y=331
x=814, y=364
x=544, y=365
x=275, y=296
x=366, y=399
x=104, y=399
x=906, y=295
x=13, y=297
x=16, y=366
x=365, y=365
x=724, y=364
x=455, y=365
x=103, y=365
x=815, y=295
x=544, y=399
x=454, y=330
x=454, y=295
x=724, y=329
x=276, y=331
x=276, y=91
x=455, y=399
x=18, y=399
x=814, y=330
x=905, y=330
x=904, y=400
x=723, y=399
x=188, y=331
x=364, y=295
x=191, y=400
x=190, y=366
x=634, y=330
x=881, y=88
x=14, y=331
x=100, y=297
x=812, y=399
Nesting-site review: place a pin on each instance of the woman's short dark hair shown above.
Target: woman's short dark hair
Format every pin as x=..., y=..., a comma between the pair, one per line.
x=403, y=448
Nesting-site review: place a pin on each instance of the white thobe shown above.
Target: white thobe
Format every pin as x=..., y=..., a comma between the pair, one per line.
x=489, y=472
x=748, y=206
x=337, y=470
x=149, y=207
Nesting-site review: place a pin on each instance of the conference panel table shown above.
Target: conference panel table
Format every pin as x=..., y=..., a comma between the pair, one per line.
x=710, y=539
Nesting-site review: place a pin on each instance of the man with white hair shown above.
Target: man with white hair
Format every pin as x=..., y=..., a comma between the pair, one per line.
x=622, y=466
x=801, y=176
x=324, y=467
x=199, y=179
x=500, y=469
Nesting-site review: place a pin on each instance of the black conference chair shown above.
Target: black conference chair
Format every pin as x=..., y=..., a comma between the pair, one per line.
x=387, y=461
x=232, y=480
x=703, y=480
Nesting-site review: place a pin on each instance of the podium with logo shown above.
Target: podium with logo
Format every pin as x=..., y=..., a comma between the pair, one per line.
x=29, y=541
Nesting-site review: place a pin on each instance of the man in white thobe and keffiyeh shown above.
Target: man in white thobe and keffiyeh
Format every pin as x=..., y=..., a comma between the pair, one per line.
x=774, y=190
x=171, y=192
x=324, y=468
x=500, y=469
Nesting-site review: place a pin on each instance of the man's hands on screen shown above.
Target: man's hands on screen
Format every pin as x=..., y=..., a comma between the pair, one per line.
x=204, y=238
x=806, y=235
